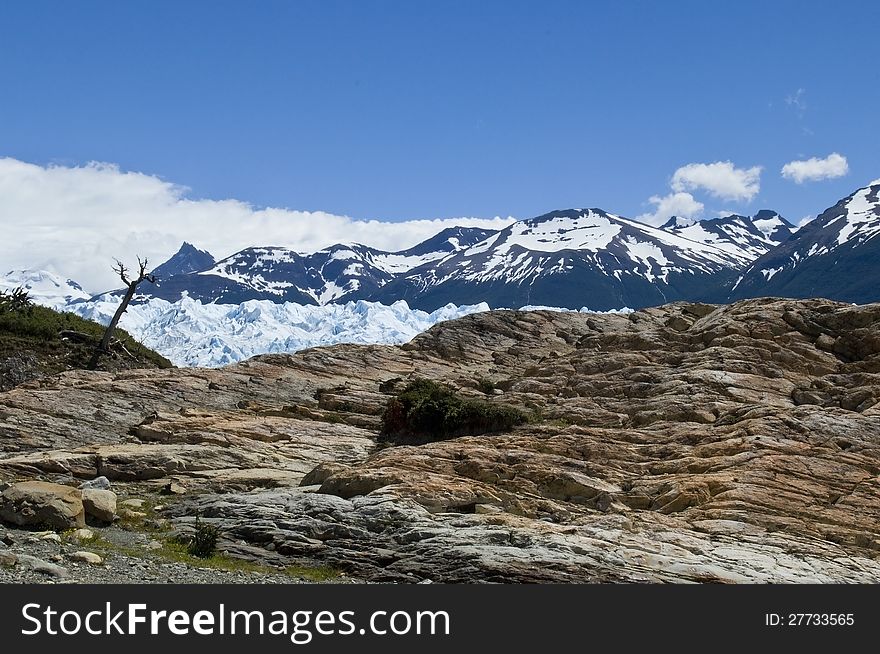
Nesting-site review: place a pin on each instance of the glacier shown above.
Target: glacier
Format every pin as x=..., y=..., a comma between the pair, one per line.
x=190, y=333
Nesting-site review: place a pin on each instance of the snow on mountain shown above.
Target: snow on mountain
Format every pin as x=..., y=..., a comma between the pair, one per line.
x=281, y=274
x=570, y=259
x=439, y=246
x=742, y=237
x=678, y=222
x=776, y=228
x=833, y=256
x=44, y=287
x=342, y=272
x=191, y=333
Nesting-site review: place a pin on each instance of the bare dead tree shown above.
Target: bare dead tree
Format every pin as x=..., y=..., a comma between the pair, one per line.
x=120, y=269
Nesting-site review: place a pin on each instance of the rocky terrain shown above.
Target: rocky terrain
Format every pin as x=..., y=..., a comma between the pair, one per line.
x=686, y=443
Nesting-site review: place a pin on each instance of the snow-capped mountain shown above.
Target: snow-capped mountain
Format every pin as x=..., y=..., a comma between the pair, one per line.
x=271, y=299
x=743, y=237
x=837, y=256
x=44, y=287
x=579, y=257
x=341, y=272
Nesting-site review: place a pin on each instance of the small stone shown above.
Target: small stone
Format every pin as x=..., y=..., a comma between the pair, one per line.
x=131, y=515
x=86, y=557
x=100, y=504
x=173, y=488
x=98, y=483
x=8, y=540
x=8, y=560
x=154, y=545
x=82, y=534
x=133, y=503
x=51, y=536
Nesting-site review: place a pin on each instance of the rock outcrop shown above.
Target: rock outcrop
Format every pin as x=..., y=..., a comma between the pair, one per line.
x=688, y=442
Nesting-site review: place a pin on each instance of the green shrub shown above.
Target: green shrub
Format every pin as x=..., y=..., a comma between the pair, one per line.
x=425, y=411
x=15, y=300
x=486, y=386
x=203, y=543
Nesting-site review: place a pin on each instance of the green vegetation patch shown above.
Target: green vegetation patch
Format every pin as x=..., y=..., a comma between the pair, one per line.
x=427, y=411
x=37, y=341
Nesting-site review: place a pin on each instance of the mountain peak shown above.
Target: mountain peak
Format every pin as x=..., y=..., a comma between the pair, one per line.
x=188, y=259
x=678, y=222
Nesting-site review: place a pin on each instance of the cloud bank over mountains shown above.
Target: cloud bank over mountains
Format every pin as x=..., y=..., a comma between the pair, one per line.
x=75, y=220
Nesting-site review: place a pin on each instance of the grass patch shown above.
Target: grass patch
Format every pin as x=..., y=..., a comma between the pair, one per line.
x=141, y=523
x=427, y=411
x=312, y=573
x=177, y=550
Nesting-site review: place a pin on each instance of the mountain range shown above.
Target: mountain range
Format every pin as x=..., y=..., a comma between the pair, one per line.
x=571, y=258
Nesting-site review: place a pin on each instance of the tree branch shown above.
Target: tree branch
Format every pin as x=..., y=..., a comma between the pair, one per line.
x=122, y=271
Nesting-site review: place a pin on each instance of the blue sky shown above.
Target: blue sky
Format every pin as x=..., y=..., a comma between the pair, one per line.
x=403, y=110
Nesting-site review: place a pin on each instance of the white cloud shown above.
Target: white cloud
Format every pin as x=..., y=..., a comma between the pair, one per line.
x=797, y=101
x=675, y=204
x=75, y=220
x=721, y=179
x=815, y=169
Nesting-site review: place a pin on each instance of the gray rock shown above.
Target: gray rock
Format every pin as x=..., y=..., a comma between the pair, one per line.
x=29, y=562
x=98, y=483
x=8, y=559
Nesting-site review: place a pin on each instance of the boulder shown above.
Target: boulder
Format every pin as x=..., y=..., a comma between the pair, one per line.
x=35, y=503
x=98, y=483
x=100, y=504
